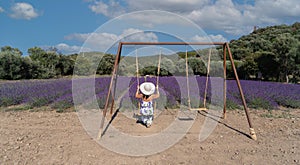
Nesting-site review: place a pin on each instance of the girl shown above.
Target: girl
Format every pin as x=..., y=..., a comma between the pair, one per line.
x=147, y=95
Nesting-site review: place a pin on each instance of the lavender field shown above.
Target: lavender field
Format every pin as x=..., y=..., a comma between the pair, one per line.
x=58, y=94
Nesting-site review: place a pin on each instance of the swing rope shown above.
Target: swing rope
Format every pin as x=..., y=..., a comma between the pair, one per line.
x=187, y=78
x=206, y=82
x=137, y=74
x=137, y=67
x=157, y=77
x=158, y=69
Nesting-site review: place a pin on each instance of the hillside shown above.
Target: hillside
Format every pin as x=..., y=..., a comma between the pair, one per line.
x=273, y=51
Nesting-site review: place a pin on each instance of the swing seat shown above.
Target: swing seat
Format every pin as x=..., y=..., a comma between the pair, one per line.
x=198, y=109
x=137, y=115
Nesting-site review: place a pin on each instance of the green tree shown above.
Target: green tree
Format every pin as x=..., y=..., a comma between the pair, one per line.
x=10, y=63
x=152, y=70
x=29, y=69
x=197, y=65
x=167, y=66
x=181, y=67
x=106, y=64
x=295, y=65
x=35, y=53
x=279, y=44
x=229, y=71
x=216, y=69
x=248, y=68
x=241, y=53
x=11, y=50
x=284, y=49
x=47, y=62
x=125, y=69
x=82, y=66
x=65, y=65
x=267, y=64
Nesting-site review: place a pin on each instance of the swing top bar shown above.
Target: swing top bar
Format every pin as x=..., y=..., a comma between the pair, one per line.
x=172, y=43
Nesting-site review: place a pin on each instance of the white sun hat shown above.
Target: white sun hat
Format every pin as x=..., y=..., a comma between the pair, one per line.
x=147, y=88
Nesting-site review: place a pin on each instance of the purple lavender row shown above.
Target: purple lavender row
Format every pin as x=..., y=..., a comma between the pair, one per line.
x=59, y=93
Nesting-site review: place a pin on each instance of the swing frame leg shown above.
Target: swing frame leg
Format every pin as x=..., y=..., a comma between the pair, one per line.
x=224, y=82
x=252, y=132
x=109, y=94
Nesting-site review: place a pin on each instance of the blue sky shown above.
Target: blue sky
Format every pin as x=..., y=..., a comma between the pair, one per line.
x=95, y=25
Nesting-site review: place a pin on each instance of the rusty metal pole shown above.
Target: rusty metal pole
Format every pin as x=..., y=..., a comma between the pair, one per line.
x=113, y=95
x=224, y=83
x=117, y=60
x=172, y=43
x=252, y=132
x=114, y=91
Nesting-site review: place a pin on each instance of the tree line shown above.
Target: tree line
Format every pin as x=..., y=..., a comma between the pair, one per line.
x=45, y=64
x=39, y=64
x=271, y=54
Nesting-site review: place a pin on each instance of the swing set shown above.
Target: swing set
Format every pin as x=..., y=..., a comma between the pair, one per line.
x=225, y=47
x=187, y=79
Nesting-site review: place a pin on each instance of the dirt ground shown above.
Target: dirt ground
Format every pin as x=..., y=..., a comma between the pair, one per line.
x=48, y=137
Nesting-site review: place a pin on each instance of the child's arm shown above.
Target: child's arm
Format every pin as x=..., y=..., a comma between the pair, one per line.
x=137, y=94
x=155, y=96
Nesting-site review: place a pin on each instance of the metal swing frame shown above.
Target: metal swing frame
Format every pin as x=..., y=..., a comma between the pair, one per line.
x=225, y=45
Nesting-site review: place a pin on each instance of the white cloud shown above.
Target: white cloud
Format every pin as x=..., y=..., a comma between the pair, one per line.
x=99, y=8
x=138, y=36
x=209, y=38
x=94, y=40
x=240, y=19
x=68, y=49
x=231, y=16
x=112, y=9
x=150, y=19
x=102, y=41
x=1, y=10
x=178, y=6
x=23, y=11
x=270, y=11
x=222, y=15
